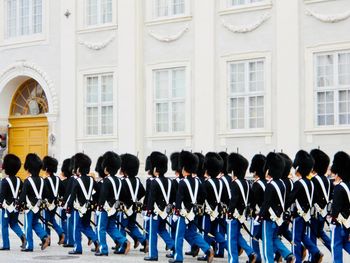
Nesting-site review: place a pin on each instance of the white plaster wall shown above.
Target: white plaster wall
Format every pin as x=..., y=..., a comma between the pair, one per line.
x=133, y=50
x=313, y=34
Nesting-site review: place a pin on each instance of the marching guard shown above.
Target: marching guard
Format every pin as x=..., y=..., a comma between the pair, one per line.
x=80, y=202
x=258, y=190
x=341, y=207
x=31, y=199
x=66, y=173
x=189, y=194
x=302, y=199
x=322, y=197
x=213, y=187
x=69, y=183
x=162, y=195
x=238, y=209
x=109, y=204
x=11, y=187
x=131, y=193
x=272, y=210
x=53, y=192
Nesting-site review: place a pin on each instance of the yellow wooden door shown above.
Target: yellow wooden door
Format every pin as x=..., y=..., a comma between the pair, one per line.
x=28, y=135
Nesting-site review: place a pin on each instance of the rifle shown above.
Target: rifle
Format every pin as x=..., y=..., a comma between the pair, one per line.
x=45, y=221
x=135, y=222
x=200, y=228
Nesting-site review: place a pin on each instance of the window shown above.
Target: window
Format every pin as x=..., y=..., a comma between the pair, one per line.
x=23, y=17
x=99, y=105
x=169, y=99
x=242, y=2
x=332, y=88
x=168, y=8
x=98, y=12
x=246, y=94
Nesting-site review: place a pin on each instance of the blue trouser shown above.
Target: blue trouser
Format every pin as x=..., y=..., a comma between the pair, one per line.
x=119, y=219
x=221, y=228
x=146, y=224
x=157, y=226
x=299, y=237
x=82, y=225
x=317, y=225
x=62, y=222
x=49, y=217
x=256, y=230
x=340, y=239
x=284, y=231
x=188, y=232
x=70, y=229
x=271, y=242
x=129, y=222
x=9, y=219
x=235, y=240
x=31, y=222
x=212, y=227
x=106, y=225
x=173, y=228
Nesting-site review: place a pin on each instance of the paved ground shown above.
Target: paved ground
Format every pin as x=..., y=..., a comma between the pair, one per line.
x=57, y=254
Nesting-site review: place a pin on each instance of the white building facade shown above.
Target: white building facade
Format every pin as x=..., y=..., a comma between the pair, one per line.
x=136, y=76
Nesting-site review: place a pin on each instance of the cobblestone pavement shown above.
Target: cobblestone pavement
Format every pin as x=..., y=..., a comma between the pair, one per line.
x=55, y=253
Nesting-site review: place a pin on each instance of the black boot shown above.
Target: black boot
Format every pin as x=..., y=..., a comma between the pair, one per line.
x=45, y=242
x=24, y=241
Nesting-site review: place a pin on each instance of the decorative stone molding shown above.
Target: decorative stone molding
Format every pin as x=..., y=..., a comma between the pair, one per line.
x=169, y=38
x=246, y=28
x=98, y=45
x=328, y=18
x=32, y=70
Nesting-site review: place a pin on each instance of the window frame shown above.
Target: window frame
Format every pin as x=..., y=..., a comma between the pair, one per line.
x=169, y=11
x=227, y=8
x=223, y=102
x=169, y=101
x=246, y=94
x=246, y=3
x=310, y=128
x=99, y=104
x=28, y=39
x=150, y=113
x=82, y=15
x=152, y=19
x=99, y=15
x=335, y=89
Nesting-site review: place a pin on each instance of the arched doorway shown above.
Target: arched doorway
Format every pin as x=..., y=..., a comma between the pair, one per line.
x=28, y=129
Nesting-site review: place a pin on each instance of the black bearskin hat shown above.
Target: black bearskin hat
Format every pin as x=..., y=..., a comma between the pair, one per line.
x=213, y=164
x=147, y=164
x=50, y=164
x=174, y=159
x=200, y=170
x=82, y=162
x=98, y=167
x=189, y=162
x=274, y=165
x=287, y=165
x=237, y=164
x=303, y=163
x=65, y=168
x=159, y=161
x=257, y=165
x=111, y=162
x=33, y=164
x=341, y=165
x=321, y=161
x=130, y=164
x=224, y=158
x=11, y=164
